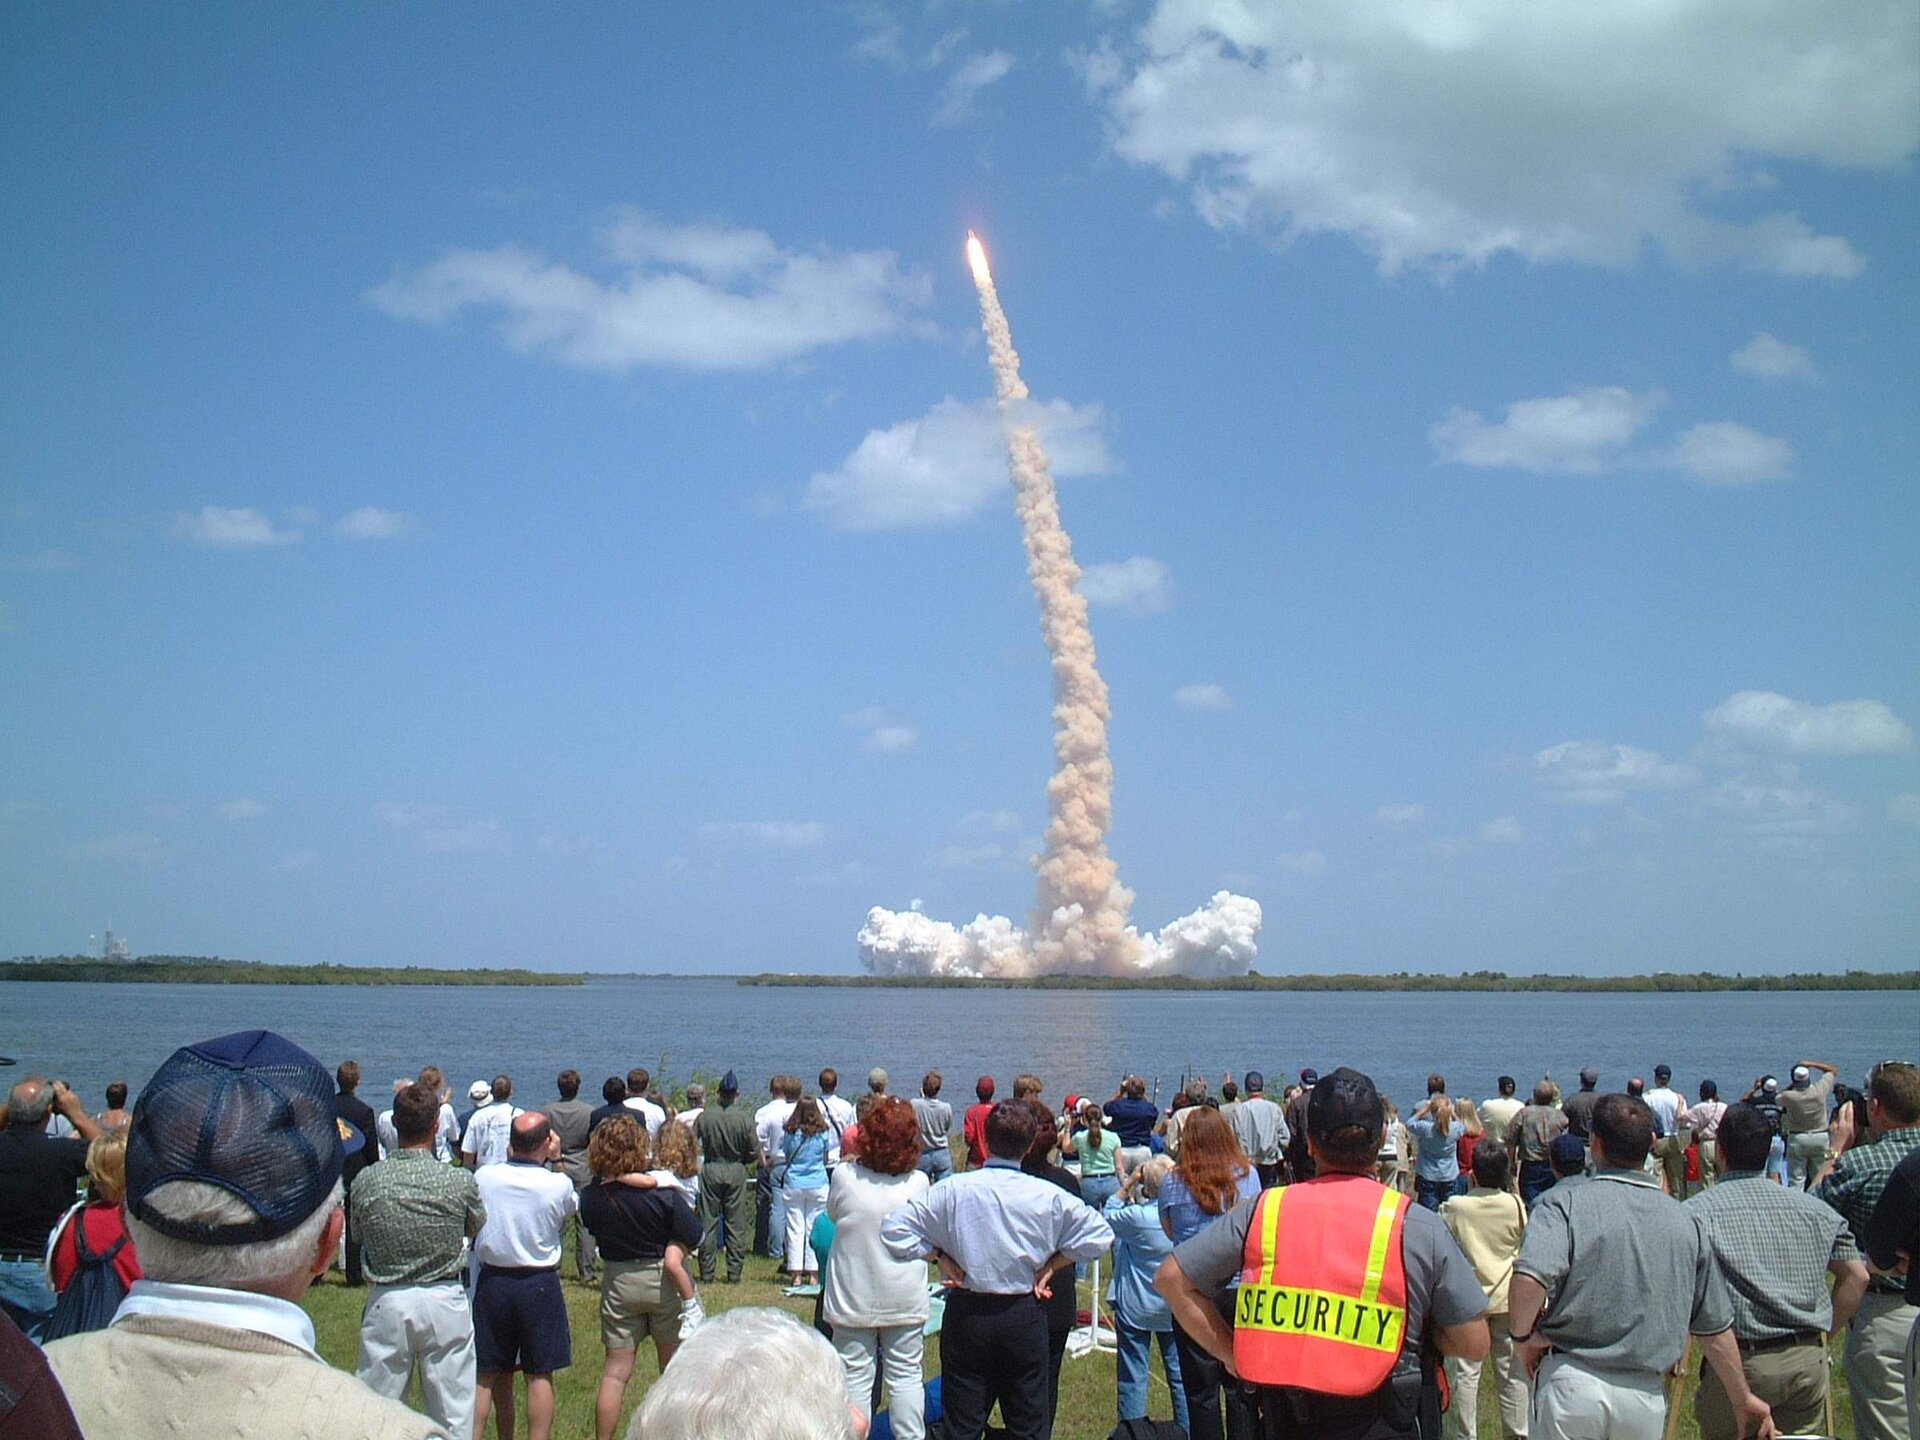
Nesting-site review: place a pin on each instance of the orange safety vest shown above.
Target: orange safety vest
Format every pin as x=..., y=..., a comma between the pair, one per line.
x=1322, y=1303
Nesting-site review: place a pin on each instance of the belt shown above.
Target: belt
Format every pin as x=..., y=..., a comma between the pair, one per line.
x=1781, y=1342
x=518, y=1271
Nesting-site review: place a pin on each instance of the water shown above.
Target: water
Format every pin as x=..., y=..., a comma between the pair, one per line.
x=1077, y=1040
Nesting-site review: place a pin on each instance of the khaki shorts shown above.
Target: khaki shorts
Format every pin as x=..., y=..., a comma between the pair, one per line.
x=637, y=1301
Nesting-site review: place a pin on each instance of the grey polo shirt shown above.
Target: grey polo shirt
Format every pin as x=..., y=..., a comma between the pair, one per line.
x=1628, y=1272
x=1440, y=1279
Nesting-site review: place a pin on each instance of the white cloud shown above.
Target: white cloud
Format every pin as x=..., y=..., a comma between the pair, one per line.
x=1203, y=697
x=988, y=856
x=1304, y=863
x=435, y=830
x=950, y=464
x=1772, y=359
x=695, y=297
x=1443, y=134
x=884, y=733
x=1725, y=452
x=233, y=528
x=1404, y=813
x=1136, y=586
x=1590, y=772
x=1584, y=432
x=964, y=86
x=370, y=522
x=766, y=834
x=1904, y=810
x=1505, y=830
x=1001, y=822
x=1769, y=721
x=1781, y=817
x=241, y=810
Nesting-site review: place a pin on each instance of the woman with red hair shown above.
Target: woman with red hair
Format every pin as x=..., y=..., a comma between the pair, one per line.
x=1213, y=1176
x=877, y=1305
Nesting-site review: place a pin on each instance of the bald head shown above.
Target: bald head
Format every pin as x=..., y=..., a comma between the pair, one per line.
x=29, y=1101
x=530, y=1134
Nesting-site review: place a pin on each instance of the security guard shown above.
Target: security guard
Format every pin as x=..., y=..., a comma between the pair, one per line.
x=1341, y=1285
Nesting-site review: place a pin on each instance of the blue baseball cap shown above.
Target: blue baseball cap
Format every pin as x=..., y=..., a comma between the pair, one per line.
x=1567, y=1150
x=250, y=1113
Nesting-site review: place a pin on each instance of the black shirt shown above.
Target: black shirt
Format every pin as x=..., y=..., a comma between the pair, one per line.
x=632, y=1224
x=1063, y=1310
x=1895, y=1224
x=37, y=1179
x=607, y=1112
x=1578, y=1108
x=357, y=1113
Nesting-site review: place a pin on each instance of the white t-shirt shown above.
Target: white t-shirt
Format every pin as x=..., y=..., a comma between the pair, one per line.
x=1667, y=1104
x=649, y=1112
x=527, y=1209
x=446, y=1140
x=770, y=1124
x=488, y=1133
x=839, y=1116
x=864, y=1286
x=1497, y=1114
x=689, y=1187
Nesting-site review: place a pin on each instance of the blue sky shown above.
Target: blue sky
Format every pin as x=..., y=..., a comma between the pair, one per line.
x=518, y=488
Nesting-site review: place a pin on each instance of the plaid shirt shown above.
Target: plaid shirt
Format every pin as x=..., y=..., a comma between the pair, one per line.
x=411, y=1213
x=1858, y=1178
x=1774, y=1245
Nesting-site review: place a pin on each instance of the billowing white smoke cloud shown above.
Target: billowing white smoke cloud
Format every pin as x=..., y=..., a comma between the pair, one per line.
x=1220, y=938
x=1080, y=911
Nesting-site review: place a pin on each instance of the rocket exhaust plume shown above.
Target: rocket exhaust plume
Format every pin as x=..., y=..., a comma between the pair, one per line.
x=1080, y=909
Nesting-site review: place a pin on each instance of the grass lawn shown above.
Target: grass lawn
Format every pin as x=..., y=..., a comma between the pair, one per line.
x=1086, y=1385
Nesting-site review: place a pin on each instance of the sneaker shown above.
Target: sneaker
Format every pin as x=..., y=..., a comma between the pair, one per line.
x=692, y=1316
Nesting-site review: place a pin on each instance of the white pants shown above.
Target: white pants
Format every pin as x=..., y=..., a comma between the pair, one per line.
x=1572, y=1402
x=424, y=1327
x=1806, y=1153
x=899, y=1349
x=1463, y=1419
x=1876, y=1362
x=803, y=1208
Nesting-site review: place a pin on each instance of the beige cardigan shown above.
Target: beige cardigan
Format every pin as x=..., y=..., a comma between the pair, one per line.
x=153, y=1377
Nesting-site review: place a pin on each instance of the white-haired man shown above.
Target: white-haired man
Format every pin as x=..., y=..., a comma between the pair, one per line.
x=797, y=1390
x=234, y=1203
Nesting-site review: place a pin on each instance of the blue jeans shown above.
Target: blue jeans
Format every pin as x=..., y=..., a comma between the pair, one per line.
x=1132, y=1362
x=1536, y=1178
x=1431, y=1192
x=936, y=1165
x=1096, y=1190
x=26, y=1296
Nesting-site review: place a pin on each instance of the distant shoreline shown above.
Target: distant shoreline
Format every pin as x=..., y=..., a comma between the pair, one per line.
x=1484, y=982
x=211, y=970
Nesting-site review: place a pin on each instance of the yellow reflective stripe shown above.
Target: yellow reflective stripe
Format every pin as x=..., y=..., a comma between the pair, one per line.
x=1270, y=1232
x=1320, y=1315
x=1377, y=1251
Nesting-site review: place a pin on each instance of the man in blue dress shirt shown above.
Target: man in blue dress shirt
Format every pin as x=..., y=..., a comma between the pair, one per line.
x=999, y=1235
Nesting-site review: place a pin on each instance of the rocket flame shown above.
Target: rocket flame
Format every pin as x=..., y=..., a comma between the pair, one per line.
x=977, y=258
x=1079, y=922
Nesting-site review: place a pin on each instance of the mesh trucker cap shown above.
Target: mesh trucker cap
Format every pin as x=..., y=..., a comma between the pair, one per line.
x=251, y=1113
x=1342, y=1099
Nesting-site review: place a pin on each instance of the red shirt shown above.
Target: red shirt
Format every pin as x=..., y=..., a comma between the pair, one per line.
x=974, y=1128
x=104, y=1226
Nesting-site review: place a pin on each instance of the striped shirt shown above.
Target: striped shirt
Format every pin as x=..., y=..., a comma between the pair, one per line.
x=1858, y=1178
x=1774, y=1245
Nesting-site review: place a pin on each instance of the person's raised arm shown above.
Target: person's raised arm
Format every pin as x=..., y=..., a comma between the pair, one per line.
x=68, y=1104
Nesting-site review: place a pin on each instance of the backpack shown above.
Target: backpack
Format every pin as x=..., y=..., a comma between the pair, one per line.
x=94, y=1293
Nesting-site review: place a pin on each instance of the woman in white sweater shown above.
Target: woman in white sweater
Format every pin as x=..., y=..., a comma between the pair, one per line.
x=877, y=1305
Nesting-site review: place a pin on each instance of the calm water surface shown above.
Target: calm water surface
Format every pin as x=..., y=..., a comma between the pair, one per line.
x=1074, y=1039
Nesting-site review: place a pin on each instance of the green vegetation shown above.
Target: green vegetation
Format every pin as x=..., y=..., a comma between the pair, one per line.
x=212, y=970
x=1664, y=982
x=1086, y=1385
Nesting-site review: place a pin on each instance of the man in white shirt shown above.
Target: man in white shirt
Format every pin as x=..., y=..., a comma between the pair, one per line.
x=1671, y=1148
x=234, y=1203
x=770, y=1126
x=639, y=1082
x=489, y=1129
x=1497, y=1114
x=998, y=1233
x=838, y=1112
x=519, y=1310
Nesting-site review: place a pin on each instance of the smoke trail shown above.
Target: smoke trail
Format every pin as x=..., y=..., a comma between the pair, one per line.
x=1080, y=909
